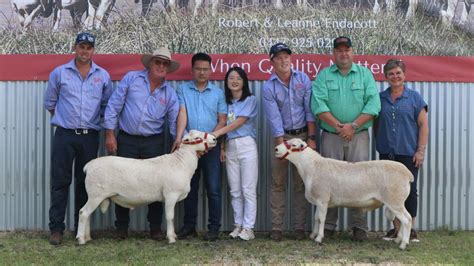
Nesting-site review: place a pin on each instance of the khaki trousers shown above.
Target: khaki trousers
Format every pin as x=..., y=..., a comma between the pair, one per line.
x=280, y=169
x=356, y=150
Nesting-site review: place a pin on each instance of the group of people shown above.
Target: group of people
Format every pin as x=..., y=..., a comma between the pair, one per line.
x=343, y=99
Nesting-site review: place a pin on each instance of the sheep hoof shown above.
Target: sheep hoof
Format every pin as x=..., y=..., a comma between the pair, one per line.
x=319, y=239
x=81, y=241
x=171, y=241
x=397, y=240
x=403, y=245
x=312, y=236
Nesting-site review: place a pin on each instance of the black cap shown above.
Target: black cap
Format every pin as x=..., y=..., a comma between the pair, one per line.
x=85, y=37
x=342, y=40
x=278, y=47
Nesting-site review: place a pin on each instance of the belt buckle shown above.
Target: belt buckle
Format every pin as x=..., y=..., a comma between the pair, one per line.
x=81, y=131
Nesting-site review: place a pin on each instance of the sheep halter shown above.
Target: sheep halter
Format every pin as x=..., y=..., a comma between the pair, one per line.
x=199, y=140
x=288, y=147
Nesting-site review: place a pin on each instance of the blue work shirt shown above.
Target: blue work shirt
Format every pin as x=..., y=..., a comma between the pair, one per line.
x=397, y=131
x=77, y=103
x=246, y=108
x=287, y=108
x=138, y=111
x=202, y=108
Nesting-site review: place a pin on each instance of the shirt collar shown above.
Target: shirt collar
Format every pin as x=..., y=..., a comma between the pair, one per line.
x=144, y=75
x=386, y=93
x=274, y=76
x=72, y=65
x=193, y=86
x=334, y=68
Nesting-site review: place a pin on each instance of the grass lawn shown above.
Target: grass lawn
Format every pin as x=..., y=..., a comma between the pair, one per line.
x=442, y=246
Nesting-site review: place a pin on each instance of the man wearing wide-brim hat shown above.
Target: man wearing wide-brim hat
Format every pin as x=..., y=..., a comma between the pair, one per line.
x=139, y=108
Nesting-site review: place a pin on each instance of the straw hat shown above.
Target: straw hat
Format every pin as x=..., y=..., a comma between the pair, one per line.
x=164, y=53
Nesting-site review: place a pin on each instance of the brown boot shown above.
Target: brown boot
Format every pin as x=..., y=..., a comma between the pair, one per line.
x=276, y=235
x=299, y=234
x=157, y=235
x=56, y=238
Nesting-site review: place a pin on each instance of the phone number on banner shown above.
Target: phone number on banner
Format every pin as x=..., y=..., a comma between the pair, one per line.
x=308, y=42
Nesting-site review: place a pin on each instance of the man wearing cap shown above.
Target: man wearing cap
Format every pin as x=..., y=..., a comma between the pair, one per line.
x=202, y=107
x=286, y=99
x=346, y=101
x=76, y=96
x=140, y=106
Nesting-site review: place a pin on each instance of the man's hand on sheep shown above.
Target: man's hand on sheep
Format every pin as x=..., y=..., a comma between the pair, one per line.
x=176, y=145
x=345, y=131
x=110, y=141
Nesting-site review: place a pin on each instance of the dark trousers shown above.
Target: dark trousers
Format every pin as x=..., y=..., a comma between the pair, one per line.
x=139, y=147
x=69, y=147
x=411, y=203
x=210, y=165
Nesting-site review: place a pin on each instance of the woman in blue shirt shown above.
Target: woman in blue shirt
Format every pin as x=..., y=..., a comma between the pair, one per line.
x=241, y=152
x=402, y=132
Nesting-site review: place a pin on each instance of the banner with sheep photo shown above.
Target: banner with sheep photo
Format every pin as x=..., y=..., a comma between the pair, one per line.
x=238, y=27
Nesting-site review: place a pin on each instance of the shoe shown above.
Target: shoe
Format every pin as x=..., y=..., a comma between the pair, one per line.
x=235, y=233
x=184, y=232
x=211, y=235
x=328, y=233
x=299, y=234
x=56, y=238
x=157, y=235
x=414, y=237
x=246, y=234
x=276, y=235
x=359, y=235
x=121, y=233
x=391, y=235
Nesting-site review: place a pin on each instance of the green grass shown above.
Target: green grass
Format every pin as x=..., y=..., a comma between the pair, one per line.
x=442, y=246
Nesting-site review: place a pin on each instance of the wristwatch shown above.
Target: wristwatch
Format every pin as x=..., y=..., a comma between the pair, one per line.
x=354, y=126
x=312, y=137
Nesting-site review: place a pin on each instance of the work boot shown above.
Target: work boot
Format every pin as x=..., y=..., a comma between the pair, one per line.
x=211, y=235
x=359, y=235
x=157, y=235
x=185, y=231
x=328, y=233
x=276, y=235
x=56, y=238
x=121, y=233
x=299, y=234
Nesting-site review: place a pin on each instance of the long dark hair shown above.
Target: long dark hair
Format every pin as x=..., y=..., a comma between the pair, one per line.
x=245, y=89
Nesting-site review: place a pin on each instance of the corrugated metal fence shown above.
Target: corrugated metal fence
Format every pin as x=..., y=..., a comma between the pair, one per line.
x=445, y=190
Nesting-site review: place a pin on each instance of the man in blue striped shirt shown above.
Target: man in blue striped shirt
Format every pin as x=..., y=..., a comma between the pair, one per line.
x=139, y=108
x=76, y=96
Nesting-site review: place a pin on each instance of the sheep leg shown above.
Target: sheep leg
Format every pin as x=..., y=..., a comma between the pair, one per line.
x=84, y=215
x=170, y=202
x=315, y=226
x=404, y=217
x=88, y=229
x=323, y=208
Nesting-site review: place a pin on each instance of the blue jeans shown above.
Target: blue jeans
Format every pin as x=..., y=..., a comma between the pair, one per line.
x=68, y=147
x=210, y=166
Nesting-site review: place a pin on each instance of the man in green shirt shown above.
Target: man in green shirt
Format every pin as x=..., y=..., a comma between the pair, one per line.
x=345, y=99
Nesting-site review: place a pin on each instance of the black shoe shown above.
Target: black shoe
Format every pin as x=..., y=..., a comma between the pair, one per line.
x=299, y=234
x=414, y=237
x=186, y=231
x=276, y=235
x=121, y=233
x=391, y=235
x=328, y=233
x=211, y=235
x=157, y=235
x=359, y=235
x=56, y=238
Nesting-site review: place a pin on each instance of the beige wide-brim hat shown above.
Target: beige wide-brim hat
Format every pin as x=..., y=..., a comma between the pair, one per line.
x=164, y=53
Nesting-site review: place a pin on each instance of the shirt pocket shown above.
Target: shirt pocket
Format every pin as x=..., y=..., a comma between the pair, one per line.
x=333, y=92
x=358, y=93
x=157, y=108
x=95, y=90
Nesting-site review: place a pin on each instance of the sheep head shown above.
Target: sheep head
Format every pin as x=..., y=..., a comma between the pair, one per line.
x=290, y=146
x=201, y=141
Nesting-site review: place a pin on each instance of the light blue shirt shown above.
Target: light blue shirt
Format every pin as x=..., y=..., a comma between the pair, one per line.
x=287, y=108
x=138, y=111
x=202, y=108
x=77, y=103
x=397, y=131
x=246, y=108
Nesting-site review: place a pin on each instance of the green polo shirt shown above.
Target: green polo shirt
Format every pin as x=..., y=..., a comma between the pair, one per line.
x=346, y=97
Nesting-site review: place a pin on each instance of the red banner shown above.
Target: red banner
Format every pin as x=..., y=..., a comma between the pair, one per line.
x=419, y=68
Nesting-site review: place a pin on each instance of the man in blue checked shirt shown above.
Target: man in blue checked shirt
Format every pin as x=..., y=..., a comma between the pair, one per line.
x=139, y=108
x=76, y=96
x=286, y=98
x=202, y=107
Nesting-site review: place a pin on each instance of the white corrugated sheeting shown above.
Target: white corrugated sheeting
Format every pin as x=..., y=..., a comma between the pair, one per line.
x=445, y=190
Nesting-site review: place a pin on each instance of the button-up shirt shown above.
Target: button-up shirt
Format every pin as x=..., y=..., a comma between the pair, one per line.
x=246, y=108
x=137, y=110
x=345, y=96
x=287, y=107
x=397, y=131
x=202, y=107
x=77, y=102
